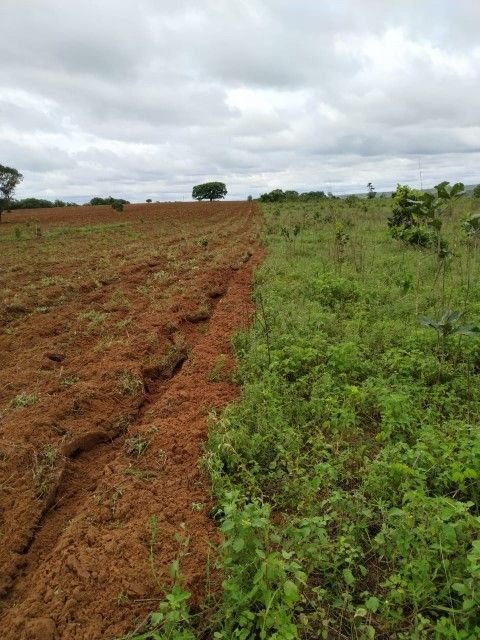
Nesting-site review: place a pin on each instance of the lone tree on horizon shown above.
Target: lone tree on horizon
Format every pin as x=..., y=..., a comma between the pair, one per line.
x=209, y=191
x=9, y=179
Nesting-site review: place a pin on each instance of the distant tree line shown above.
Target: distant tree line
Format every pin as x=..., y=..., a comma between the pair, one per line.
x=278, y=195
x=42, y=203
x=39, y=203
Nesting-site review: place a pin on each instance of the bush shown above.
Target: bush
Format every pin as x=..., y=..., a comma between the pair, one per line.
x=278, y=195
x=402, y=211
x=117, y=206
x=403, y=223
x=39, y=203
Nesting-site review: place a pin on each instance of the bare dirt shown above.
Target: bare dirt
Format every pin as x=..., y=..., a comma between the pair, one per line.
x=115, y=345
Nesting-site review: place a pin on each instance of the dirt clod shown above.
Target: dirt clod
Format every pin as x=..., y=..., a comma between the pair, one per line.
x=55, y=357
x=40, y=629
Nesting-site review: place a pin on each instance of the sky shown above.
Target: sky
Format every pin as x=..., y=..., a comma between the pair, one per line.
x=145, y=99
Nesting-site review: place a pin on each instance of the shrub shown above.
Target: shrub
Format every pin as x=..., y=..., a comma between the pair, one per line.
x=402, y=211
x=117, y=206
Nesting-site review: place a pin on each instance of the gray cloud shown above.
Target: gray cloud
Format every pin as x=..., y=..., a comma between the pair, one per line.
x=148, y=99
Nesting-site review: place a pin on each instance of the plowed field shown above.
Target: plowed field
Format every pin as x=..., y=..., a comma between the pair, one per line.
x=115, y=333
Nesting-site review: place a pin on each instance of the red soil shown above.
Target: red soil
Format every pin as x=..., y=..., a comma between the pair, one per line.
x=78, y=499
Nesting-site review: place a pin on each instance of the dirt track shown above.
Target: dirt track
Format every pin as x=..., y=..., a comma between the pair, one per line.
x=115, y=345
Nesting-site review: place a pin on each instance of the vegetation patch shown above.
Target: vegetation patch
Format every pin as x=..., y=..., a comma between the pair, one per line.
x=347, y=477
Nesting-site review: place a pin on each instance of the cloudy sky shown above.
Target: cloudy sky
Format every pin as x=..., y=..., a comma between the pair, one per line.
x=147, y=98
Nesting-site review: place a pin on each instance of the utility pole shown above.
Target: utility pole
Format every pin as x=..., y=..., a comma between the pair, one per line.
x=420, y=171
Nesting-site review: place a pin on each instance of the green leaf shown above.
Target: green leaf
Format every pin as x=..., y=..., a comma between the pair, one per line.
x=442, y=190
x=348, y=577
x=174, y=568
x=427, y=322
x=468, y=330
x=238, y=544
x=451, y=316
x=157, y=618
x=459, y=588
x=372, y=604
x=290, y=590
x=457, y=190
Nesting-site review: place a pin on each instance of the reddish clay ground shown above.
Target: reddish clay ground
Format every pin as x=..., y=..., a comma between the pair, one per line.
x=115, y=346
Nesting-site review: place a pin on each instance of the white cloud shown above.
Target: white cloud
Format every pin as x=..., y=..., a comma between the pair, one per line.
x=147, y=99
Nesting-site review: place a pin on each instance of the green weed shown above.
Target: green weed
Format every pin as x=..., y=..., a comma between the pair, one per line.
x=94, y=318
x=43, y=467
x=172, y=620
x=136, y=446
x=128, y=383
x=218, y=373
x=24, y=400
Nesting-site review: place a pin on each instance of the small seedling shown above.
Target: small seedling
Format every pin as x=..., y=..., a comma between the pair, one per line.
x=117, y=493
x=122, y=599
x=136, y=446
x=450, y=324
x=217, y=374
x=24, y=400
x=123, y=324
x=153, y=528
x=69, y=381
x=160, y=276
x=129, y=384
x=471, y=227
x=143, y=290
x=118, y=301
x=44, y=464
x=162, y=457
x=104, y=343
x=94, y=318
x=341, y=240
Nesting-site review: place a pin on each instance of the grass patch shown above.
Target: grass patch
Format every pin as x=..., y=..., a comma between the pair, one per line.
x=128, y=384
x=24, y=400
x=44, y=465
x=29, y=232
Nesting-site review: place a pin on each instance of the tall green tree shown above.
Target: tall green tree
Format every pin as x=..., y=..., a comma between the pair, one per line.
x=9, y=179
x=209, y=191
